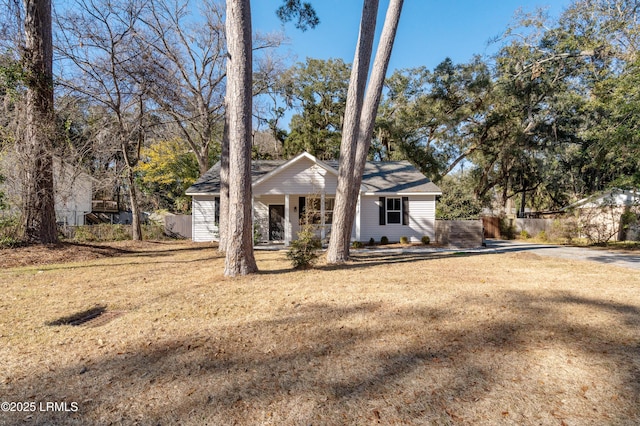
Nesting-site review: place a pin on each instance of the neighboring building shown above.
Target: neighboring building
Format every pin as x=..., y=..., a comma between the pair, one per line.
x=613, y=197
x=73, y=194
x=395, y=200
x=73, y=190
x=610, y=215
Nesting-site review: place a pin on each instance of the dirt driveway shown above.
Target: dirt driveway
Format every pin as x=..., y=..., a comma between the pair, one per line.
x=623, y=259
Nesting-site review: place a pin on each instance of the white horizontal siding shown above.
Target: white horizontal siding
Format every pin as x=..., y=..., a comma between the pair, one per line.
x=301, y=177
x=422, y=216
x=203, y=211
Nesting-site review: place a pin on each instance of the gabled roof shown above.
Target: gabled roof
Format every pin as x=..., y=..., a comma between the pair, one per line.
x=383, y=178
x=287, y=163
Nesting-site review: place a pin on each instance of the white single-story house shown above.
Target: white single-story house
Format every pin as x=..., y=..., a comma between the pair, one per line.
x=396, y=200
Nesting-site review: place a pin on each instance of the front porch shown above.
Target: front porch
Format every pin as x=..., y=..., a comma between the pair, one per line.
x=277, y=217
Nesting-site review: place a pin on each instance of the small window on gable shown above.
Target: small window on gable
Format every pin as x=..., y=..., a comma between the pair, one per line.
x=394, y=210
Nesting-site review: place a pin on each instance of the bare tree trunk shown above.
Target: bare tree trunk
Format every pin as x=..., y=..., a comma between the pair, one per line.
x=338, y=250
x=136, y=227
x=239, y=248
x=372, y=101
x=39, y=220
x=130, y=163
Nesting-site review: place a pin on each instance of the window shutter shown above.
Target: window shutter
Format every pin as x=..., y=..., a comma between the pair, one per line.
x=405, y=210
x=302, y=201
x=216, y=211
x=383, y=211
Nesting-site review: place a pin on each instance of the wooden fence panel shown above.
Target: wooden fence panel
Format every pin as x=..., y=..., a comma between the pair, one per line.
x=459, y=233
x=491, y=225
x=178, y=225
x=534, y=226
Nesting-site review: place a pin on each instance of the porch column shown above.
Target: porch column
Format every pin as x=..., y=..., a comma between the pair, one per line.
x=287, y=221
x=357, y=221
x=323, y=231
x=253, y=217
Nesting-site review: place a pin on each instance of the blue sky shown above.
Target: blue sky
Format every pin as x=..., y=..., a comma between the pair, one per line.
x=429, y=31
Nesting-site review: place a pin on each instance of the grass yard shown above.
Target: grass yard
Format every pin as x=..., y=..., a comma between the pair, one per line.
x=403, y=339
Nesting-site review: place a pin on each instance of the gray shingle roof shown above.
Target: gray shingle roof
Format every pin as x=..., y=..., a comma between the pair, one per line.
x=209, y=183
x=378, y=177
x=395, y=176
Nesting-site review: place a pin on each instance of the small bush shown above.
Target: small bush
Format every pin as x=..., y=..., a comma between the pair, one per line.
x=153, y=231
x=83, y=234
x=384, y=240
x=257, y=235
x=372, y=242
x=404, y=240
x=425, y=240
x=106, y=232
x=357, y=245
x=542, y=236
x=9, y=231
x=524, y=235
x=303, y=252
x=507, y=230
x=566, y=230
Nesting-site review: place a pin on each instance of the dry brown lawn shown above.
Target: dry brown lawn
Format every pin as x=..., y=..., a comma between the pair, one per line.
x=402, y=339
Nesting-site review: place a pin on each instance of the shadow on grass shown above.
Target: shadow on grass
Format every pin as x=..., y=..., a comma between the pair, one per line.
x=161, y=255
x=363, y=363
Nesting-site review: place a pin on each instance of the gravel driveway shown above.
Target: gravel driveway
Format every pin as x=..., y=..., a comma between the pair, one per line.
x=624, y=259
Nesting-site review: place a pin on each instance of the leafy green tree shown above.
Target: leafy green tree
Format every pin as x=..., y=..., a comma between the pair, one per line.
x=318, y=90
x=615, y=136
x=437, y=118
x=167, y=169
x=457, y=201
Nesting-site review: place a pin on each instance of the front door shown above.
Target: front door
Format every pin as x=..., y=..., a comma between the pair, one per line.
x=276, y=222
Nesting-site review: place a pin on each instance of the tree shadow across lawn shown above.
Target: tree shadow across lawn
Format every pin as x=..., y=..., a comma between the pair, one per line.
x=507, y=357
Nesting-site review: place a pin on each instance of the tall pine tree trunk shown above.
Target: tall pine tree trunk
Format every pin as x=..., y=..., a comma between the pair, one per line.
x=39, y=221
x=338, y=250
x=223, y=225
x=372, y=99
x=239, y=248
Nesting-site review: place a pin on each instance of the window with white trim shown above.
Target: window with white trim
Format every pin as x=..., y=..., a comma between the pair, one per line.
x=328, y=210
x=314, y=206
x=394, y=210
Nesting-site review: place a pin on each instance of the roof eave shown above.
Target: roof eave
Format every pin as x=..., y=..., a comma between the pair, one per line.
x=384, y=193
x=201, y=193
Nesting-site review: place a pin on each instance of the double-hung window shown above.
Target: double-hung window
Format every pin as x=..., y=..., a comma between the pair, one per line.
x=394, y=210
